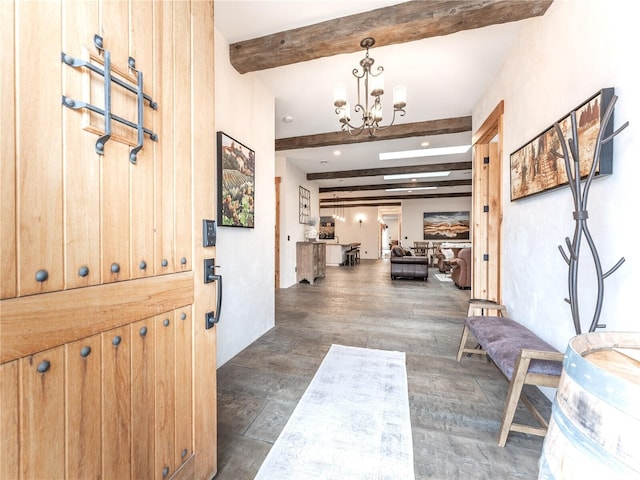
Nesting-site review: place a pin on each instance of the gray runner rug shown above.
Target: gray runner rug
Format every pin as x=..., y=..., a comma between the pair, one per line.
x=351, y=423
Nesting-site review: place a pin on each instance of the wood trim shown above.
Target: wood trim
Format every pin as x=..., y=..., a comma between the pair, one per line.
x=278, y=182
x=402, y=130
x=489, y=127
x=405, y=22
x=35, y=323
x=487, y=178
x=372, y=172
x=203, y=172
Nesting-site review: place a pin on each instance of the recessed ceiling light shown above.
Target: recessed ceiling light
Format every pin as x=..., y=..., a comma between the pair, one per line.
x=424, y=144
x=414, y=176
x=409, y=189
x=427, y=152
x=287, y=119
x=414, y=179
x=337, y=153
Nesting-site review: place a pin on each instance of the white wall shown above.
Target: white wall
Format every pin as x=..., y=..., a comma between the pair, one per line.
x=366, y=233
x=245, y=111
x=561, y=59
x=413, y=215
x=291, y=231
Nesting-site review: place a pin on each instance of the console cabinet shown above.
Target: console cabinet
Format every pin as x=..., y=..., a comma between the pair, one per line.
x=311, y=259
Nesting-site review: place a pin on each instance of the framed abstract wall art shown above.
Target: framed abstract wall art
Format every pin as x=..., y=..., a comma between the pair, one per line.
x=534, y=168
x=236, y=183
x=447, y=226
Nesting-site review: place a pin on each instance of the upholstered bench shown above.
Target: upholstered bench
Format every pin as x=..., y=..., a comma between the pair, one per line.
x=520, y=355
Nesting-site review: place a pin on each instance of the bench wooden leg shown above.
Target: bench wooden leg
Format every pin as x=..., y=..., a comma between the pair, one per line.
x=462, y=349
x=520, y=378
x=514, y=394
x=463, y=342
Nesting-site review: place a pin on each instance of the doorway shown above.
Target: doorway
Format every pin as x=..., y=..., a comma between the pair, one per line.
x=390, y=229
x=487, y=207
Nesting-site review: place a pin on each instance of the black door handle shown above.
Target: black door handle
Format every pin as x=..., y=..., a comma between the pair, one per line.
x=214, y=318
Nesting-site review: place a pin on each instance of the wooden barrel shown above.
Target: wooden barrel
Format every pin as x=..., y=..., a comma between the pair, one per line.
x=594, y=430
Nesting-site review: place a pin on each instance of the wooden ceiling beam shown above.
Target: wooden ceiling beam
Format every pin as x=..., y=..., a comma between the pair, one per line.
x=401, y=23
x=381, y=203
x=372, y=172
x=382, y=186
x=402, y=130
x=330, y=202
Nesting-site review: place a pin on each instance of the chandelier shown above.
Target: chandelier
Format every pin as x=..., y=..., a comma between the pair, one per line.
x=370, y=83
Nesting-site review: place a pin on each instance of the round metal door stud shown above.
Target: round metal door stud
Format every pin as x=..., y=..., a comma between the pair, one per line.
x=142, y=265
x=164, y=262
x=85, y=351
x=183, y=261
x=183, y=316
x=115, y=268
x=166, y=322
x=143, y=331
x=116, y=340
x=43, y=366
x=83, y=271
x=42, y=275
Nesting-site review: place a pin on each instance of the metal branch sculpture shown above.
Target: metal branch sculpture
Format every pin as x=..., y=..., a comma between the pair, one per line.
x=580, y=192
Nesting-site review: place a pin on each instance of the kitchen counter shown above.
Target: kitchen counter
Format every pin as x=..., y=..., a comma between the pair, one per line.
x=337, y=253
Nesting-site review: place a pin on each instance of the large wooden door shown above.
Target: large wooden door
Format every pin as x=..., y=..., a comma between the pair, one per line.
x=105, y=361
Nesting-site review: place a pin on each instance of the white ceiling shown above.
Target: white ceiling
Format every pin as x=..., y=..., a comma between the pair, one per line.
x=445, y=77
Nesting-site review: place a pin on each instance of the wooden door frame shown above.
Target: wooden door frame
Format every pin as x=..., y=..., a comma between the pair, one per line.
x=278, y=182
x=487, y=207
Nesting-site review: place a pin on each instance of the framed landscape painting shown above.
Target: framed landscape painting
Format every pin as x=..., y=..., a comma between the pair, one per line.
x=535, y=168
x=236, y=183
x=448, y=226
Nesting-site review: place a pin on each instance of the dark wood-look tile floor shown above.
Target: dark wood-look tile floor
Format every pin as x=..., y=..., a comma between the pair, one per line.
x=455, y=408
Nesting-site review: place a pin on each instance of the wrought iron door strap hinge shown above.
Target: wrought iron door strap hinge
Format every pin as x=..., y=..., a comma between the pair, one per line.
x=106, y=112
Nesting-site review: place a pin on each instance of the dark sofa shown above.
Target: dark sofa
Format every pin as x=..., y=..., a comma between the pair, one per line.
x=406, y=265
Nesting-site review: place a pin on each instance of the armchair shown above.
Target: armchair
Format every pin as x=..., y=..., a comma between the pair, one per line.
x=444, y=257
x=461, y=269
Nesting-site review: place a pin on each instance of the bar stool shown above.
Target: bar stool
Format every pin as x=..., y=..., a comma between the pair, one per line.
x=351, y=257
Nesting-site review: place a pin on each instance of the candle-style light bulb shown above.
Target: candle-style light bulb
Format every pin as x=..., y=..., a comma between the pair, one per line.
x=399, y=96
x=339, y=95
